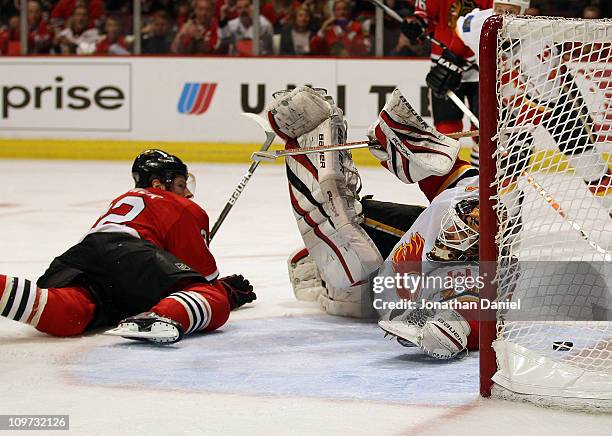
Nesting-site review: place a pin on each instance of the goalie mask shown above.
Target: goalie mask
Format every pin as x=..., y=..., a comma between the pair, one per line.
x=458, y=237
x=157, y=164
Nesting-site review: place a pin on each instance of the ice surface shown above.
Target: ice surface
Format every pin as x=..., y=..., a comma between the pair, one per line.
x=278, y=367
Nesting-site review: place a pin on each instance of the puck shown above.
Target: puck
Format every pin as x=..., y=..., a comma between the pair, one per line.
x=562, y=345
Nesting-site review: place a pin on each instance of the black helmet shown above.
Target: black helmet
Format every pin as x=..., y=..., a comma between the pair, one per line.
x=157, y=164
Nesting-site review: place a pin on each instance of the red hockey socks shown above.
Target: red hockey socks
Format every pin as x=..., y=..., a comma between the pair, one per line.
x=198, y=307
x=58, y=312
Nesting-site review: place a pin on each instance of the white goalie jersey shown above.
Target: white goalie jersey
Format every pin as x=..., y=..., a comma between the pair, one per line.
x=411, y=261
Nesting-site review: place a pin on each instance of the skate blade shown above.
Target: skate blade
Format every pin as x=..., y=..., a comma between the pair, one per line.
x=161, y=337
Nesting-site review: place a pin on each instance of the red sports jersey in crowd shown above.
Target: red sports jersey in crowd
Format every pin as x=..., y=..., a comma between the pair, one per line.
x=39, y=39
x=207, y=42
x=65, y=8
x=441, y=17
x=173, y=223
x=103, y=47
x=340, y=41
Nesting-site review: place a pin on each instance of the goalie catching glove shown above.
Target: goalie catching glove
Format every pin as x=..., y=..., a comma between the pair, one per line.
x=410, y=148
x=443, y=335
x=238, y=289
x=298, y=112
x=446, y=75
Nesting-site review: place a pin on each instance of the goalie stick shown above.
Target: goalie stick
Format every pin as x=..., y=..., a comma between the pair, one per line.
x=270, y=156
x=270, y=135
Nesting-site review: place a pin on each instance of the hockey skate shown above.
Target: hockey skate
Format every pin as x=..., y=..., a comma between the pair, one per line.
x=149, y=326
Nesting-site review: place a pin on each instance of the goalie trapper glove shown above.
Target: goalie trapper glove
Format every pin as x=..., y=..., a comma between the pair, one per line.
x=239, y=290
x=413, y=28
x=445, y=75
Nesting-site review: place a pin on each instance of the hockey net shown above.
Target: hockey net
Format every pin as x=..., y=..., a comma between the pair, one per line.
x=546, y=209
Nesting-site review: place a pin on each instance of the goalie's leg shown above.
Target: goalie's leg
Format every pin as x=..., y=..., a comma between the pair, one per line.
x=323, y=192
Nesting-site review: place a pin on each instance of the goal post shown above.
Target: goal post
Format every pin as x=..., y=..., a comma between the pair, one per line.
x=546, y=209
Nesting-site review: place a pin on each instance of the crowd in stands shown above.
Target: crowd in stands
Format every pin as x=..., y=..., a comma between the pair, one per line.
x=200, y=27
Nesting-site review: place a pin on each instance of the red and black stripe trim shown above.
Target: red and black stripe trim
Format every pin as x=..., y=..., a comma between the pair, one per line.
x=319, y=233
x=297, y=184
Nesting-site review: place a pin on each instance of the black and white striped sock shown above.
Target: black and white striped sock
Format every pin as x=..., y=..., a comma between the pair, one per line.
x=197, y=308
x=21, y=300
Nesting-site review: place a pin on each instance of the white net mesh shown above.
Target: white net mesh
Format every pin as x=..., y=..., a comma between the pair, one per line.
x=554, y=185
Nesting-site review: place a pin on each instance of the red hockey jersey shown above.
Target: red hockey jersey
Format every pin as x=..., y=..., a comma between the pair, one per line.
x=173, y=223
x=441, y=17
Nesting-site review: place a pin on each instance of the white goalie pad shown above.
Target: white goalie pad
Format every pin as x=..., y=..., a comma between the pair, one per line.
x=298, y=112
x=322, y=191
x=304, y=276
x=411, y=148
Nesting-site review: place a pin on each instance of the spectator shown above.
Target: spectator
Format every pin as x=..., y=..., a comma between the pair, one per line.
x=591, y=12
x=295, y=36
x=227, y=10
x=113, y=42
x=64, y=9
x=405, y=48
x=182, y=11
x=40, y=35
x=279, y=12
x=159, y=37
x=238, y=34
x=9, y=38
x=78, y=37
x=317, y=14
x=200, y=34
x=339, y=35
x=8, y=9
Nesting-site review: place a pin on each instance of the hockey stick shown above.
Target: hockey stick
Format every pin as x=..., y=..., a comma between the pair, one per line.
x=607, y=255
x=270, y=135
x=449, y=94
x=269, y=156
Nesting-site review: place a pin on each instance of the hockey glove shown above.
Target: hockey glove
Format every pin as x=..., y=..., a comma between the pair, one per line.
x=413, y=28
x=445, y=75
x=239, y=290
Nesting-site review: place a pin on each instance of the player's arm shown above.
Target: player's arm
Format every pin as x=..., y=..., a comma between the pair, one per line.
x=414, y=27
x=188, y=240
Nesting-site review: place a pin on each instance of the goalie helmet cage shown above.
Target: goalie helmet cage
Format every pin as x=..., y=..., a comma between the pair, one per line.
x=546, y=130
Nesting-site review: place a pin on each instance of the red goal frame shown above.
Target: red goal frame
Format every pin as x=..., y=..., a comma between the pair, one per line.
x=488, y=112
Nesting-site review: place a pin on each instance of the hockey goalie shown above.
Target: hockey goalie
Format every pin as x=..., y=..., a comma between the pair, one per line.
x=353, y=242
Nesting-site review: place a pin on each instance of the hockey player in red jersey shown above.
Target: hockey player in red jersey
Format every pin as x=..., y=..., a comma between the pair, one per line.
x=144, y=264
x=439, y=17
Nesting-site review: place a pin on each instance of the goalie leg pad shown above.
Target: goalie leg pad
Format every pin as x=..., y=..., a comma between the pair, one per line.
x=353, y=301
x=411, y=148
x=328, y=211
x=304, y=276
x=298, y=112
